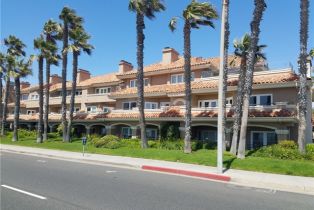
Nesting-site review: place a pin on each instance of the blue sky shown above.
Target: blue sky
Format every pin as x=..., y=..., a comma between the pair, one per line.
x=112, y=28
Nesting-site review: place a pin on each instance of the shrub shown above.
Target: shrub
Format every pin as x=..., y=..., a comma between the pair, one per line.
x=170, y=130
x=288, y=144
x=109, y=141
x=279, y=151
x=310, y=148
x=131, y=143
x=26, y=134
x=53, y=135
x=177, y=144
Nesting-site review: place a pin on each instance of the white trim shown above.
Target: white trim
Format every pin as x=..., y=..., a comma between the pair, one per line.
x=103, y=90
x=258, y=99
x=128, y=102
x=201, y=103
x=150, y=105
x=176, y=80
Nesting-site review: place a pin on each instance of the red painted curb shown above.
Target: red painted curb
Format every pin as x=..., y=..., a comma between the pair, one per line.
x=188, y=173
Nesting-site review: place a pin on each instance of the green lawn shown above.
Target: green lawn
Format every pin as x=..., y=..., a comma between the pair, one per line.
x=201, y=157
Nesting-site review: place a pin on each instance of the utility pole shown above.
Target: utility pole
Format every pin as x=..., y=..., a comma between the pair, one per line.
x=221, y=110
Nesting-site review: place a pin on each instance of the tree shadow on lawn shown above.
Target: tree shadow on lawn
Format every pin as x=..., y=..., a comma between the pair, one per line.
x=230, y=160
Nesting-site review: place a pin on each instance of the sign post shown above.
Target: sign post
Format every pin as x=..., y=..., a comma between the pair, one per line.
x=84, y=140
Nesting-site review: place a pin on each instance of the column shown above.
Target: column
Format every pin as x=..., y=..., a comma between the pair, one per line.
x=108, y=130
x=282, y=134
x=182, y=132
x=87, y=130
x=228, y=137
x=134, y=130
x=50, y=128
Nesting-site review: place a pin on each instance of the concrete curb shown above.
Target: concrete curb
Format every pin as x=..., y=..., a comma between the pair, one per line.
x=188, y=173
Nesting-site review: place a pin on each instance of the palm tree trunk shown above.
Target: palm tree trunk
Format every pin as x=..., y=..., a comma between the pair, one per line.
x=302, y=94
x=225, y=71
x=238, y=107
x=64, y=79
x=41, y=100
x=46, y=103
x=260, y=7
x=72, y=102
x=187, y=81
x=5, y=104
x=16, y=108
x=140, y=25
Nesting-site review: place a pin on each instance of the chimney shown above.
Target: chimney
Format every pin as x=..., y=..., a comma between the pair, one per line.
x=125, y=66
x=54, y=79
x=82, y=75
x=25, y=85
x=169, y=55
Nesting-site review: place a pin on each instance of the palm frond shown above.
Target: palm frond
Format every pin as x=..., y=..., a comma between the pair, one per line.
x=173, y=23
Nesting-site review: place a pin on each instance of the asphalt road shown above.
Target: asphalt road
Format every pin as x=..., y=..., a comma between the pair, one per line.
x=62, y=184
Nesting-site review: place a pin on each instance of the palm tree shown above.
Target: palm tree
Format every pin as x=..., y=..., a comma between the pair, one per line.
x=312, y=53
x=80, y=43
x=224, y=64
x=21, y=70
x=302, y=94
x=41, y=45
x=260, y=7
x=52, y=31
x=70, y=20
x=2, y=70
x=241, y=51
x=15, y=49
x=195, y=15
x=143, y=8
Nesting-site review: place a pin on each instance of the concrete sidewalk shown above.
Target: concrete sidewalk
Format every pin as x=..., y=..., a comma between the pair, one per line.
x=295, y=184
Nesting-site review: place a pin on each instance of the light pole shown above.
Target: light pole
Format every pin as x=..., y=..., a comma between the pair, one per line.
x=221, y=93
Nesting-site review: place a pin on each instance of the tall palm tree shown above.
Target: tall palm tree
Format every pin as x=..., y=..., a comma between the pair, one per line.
x=79, y=43
x=260, y=7
x=224, y=64
x=41, y=46
x=70, y=20
x=312, y=53
x=15, y=49
x=52, y=31
x=241, y=51
x=194, y=15
x=2, y=70
x=21, y=70
x=143, y=8
x=302, y=94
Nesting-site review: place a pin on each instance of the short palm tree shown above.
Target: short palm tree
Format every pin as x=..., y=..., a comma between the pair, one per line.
x=52, y=32
x=70, y=21
x=41, y=45
x=15, y=49
x=241, y=51
x=143, y=8
x=79, y=39
x=21, y=70
x=195, y=15
x=260, y=7
x=302, y=94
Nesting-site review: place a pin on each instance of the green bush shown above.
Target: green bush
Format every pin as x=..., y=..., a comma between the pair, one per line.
x=109, y=141
x=26, y=134
x=170, y=131
x=131, y=143
x=53, y=135
x=310, y=148
x=288, y=144
x=177, y=144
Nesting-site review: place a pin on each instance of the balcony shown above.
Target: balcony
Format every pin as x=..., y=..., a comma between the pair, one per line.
x=98, y=98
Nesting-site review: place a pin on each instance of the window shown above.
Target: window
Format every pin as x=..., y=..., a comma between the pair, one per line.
x=77, y=109
x=229, y=101
x=262, y=138
x=91, y=109
x=129, y=105
x=103, y=90
x=105, y=109
x=133, y=82
x=177, y=78
x=34, y=97
x=30, y=112
x=151, y=133
x=207, y=103
x=192, y=76
x=126, y=132
x=24, y=97
x=164, y=103
x=265, y=100
x=151, y=105
x=206, y=74
x=78, y=93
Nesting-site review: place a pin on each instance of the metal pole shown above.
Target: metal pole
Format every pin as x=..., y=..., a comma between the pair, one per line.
x=220, y=133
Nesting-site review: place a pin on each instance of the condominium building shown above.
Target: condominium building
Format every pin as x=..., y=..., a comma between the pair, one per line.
x=107, y=104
